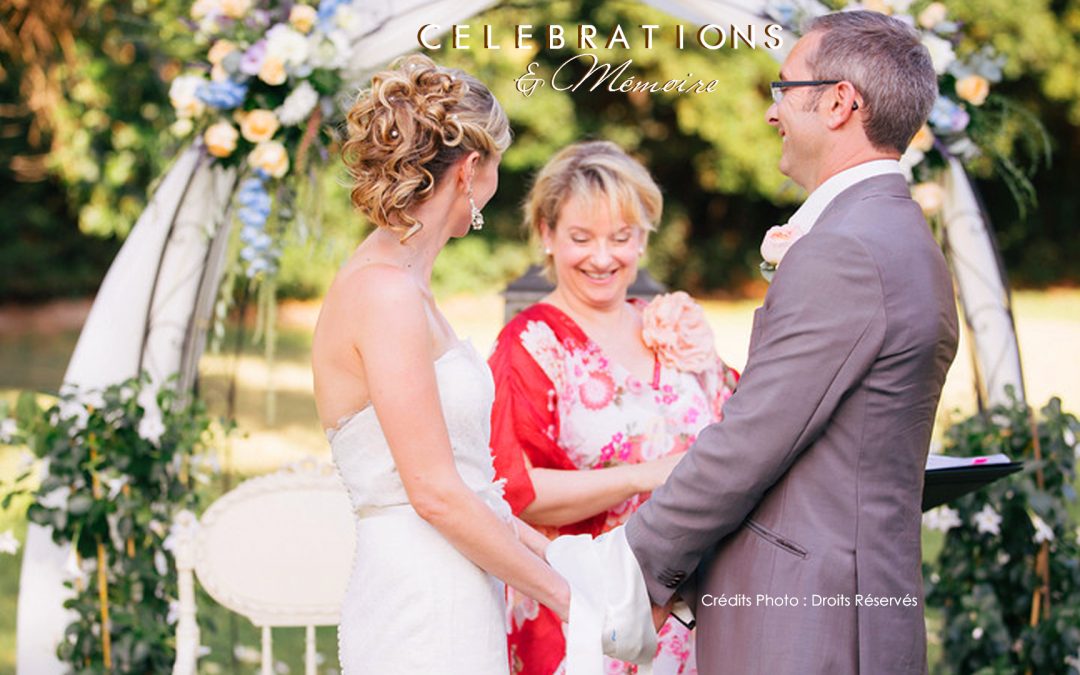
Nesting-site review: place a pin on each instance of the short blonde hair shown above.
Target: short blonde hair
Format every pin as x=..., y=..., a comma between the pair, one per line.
x=408, y=128
x=590, y=170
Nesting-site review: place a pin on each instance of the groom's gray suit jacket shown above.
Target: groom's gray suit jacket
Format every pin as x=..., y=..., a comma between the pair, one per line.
x=809, y=491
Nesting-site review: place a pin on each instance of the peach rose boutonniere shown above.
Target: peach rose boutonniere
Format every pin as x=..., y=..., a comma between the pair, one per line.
x=775, y=245
x=674, y=327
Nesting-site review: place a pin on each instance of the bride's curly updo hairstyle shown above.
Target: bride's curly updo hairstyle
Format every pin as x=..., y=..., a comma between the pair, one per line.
x=406, y=130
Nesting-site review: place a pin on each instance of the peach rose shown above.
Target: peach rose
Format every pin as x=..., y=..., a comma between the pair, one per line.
x=777, y=241
x=932, y=15
x=259, y=125
x=219, y=51
x=302, y=18
x=973, y=88
x=221, y=139
x=235, y=9
x=924, y=139
x=272, y=71
x=929, y=197
x=674, y=327
x=271, y=157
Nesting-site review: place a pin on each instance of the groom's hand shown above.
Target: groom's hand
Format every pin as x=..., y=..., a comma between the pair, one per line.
x=660, y=614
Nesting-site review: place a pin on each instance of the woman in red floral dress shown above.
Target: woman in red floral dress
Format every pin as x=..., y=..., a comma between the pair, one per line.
x=597, y=396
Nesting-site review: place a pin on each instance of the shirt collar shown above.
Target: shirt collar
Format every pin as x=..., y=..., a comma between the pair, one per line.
x=807, y=214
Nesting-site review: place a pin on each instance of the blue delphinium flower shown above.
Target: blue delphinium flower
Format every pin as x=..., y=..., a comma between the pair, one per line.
x=947, y=117
x=327, y=10
x=255, y=205
x=223, y=95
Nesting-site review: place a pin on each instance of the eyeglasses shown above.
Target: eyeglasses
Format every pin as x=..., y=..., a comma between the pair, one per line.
x=778, y=88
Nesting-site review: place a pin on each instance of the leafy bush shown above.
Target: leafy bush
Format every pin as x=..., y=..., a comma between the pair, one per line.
x=1008, y=577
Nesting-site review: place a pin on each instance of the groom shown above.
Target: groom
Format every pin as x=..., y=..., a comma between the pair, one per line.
x=792, y=526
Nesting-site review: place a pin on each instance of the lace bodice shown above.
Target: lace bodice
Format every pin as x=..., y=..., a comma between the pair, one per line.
x=466, y=391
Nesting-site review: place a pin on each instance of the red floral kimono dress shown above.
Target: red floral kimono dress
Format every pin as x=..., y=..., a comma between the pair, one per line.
x=560, y=403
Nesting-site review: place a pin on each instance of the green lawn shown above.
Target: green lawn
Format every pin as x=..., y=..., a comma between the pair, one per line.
x=1048, y=328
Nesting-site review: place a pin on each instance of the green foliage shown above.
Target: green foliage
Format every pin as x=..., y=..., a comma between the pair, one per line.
x=984, y=581
x=474, y=264
x=122, y=463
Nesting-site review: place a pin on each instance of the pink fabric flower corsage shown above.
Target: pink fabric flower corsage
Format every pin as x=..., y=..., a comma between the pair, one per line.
x=674, y=327
x=776, y=243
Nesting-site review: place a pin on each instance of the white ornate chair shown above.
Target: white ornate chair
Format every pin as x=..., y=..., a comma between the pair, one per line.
x=277, y=549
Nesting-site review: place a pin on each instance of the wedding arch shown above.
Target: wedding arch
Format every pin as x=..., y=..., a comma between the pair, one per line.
x=155, y=305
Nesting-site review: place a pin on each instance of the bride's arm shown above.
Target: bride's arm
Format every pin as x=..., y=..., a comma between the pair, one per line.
x=394, y=342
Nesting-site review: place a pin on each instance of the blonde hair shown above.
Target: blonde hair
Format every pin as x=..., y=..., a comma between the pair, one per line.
x=590, y=170
x=408, y=128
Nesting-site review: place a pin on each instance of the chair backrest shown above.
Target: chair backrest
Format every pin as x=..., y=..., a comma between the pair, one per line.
x=277, y=549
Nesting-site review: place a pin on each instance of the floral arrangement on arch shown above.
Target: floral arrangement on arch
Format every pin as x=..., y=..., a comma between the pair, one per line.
x=969, y=120
x=270, y=82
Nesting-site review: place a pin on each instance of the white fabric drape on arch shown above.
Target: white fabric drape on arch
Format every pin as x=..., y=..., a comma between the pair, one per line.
x=177, y=270
x=143, y=316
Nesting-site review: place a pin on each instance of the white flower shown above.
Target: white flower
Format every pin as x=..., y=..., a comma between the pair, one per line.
x=977, y=633
x=8, y=429
x=246, y=654
x=1073, y=661
x=115, y=485
x=281, y=668
x=942, y=518
x=964, y=148
x=330, y=50
x=151, y=427
x=76, y=413
x=287, y=44
x=988, y=521
x=72, y=569
x=910, y=159
x=298, y=104
x=1043, y=532
x=56, y=499
x=182, y=96
x=8, y=543
x=1003, y=558
x=174, y=612
x=161, y=564
x=1069, y=437
x=941, y=52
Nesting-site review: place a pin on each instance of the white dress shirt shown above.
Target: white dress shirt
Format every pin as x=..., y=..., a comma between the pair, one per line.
x=807, y=214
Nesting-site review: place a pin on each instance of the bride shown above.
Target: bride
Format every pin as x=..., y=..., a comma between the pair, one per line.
x=406, y=404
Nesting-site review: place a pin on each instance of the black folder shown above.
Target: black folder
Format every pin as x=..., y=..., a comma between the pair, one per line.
x=946, y=484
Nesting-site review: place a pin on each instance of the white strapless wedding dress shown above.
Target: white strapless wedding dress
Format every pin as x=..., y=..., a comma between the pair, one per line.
x=414, y=604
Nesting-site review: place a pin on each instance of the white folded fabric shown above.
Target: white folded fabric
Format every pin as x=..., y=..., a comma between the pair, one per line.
x=610, y=612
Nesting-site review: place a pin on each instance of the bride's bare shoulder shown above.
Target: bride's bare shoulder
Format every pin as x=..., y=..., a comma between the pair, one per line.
x=377, y=283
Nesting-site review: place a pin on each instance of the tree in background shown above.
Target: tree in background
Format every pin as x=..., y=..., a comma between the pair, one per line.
x=86, y=133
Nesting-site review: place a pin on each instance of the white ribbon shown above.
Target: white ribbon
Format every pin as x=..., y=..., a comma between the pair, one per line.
x=610, y=612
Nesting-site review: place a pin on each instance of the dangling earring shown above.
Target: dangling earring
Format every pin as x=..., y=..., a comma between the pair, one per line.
x=547, y=251
x=477, y=221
